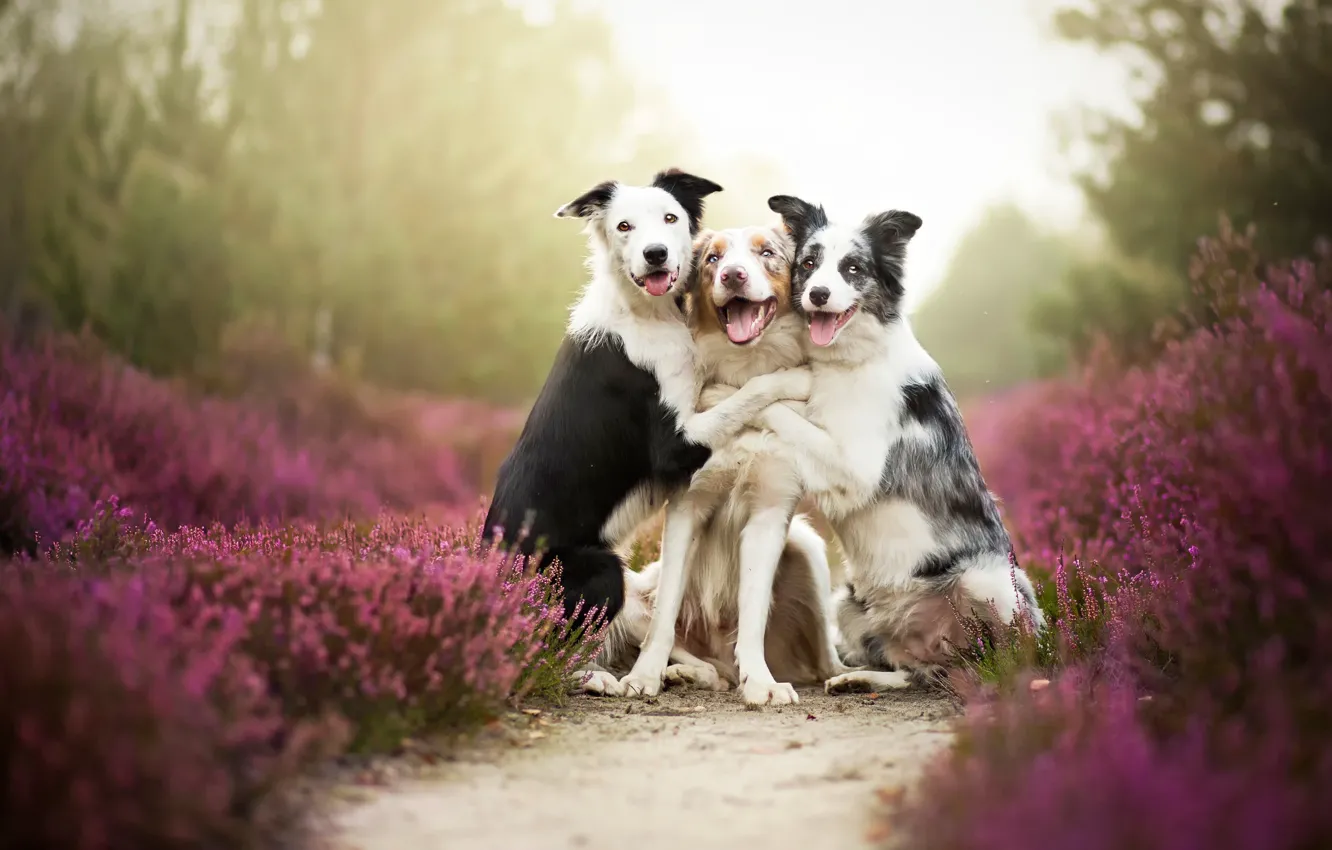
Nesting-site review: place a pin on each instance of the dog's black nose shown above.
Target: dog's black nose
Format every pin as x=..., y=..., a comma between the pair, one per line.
x=734, y=277
x=819, y=295
x=655, y=254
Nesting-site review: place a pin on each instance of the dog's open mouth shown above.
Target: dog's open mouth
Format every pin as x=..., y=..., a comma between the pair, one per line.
x=823, y=327
x=658, y=283
x=746, y=320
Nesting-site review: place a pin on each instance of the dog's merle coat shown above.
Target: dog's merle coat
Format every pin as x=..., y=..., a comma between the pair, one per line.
x=886, y=453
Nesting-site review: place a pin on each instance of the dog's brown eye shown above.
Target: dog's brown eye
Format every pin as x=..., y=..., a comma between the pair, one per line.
x=624, y=227
x=808, y=264
x=671, y=219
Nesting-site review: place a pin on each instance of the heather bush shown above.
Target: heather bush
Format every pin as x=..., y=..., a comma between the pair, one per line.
x=79, y=426
x=1113, y=467
x=123, y=726
x=400, y=626
x=1192, y=495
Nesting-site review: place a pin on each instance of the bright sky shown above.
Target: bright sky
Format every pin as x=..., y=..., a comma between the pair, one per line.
x=939, y=107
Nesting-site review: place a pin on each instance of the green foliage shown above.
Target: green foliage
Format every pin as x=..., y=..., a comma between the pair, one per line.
x=1233, y=123
x=369, y=183
x=973, y=323
x=1111, y=299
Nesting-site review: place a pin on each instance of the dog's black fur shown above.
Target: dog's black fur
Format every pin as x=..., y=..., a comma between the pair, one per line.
x=597, y=434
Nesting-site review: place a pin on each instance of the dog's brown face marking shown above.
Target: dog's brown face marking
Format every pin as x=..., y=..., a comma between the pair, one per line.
x=742, y=281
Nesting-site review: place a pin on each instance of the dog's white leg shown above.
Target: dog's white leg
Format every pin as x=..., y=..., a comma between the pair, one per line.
x=867, y=680
x=761, y=545
x=731, y=416
x=815, y=551
x=646, y=676
x=815, y=453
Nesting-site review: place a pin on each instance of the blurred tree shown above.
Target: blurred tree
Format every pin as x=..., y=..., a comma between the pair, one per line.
x=973, y=323
x=1236, y=120
x=373, y=182
x=122, y=213
x=417, y=149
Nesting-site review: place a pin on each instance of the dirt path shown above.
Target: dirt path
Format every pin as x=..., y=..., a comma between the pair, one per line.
x=688, y=769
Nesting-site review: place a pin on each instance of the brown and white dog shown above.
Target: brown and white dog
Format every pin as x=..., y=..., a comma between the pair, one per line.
x=757, y=586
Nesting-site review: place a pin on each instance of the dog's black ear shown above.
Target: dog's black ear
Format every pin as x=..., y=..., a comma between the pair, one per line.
x=800, y=217
x=591, y=202
x=688, y=190
x=898, y=225
x=889, y=232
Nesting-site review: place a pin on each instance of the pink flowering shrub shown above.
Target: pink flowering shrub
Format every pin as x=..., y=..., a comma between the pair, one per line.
x=79, y=426
x=123, y=726
x=202, y=594
x=161, y=688
x=1194, y=494
x=400, y=626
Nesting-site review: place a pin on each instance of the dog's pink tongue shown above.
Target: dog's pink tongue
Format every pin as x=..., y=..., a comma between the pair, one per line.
x=742, y=320
x=657, y=283
x=822, y=326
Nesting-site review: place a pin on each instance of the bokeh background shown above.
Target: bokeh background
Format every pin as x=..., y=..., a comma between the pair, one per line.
x=279, y=279
x=212, y=187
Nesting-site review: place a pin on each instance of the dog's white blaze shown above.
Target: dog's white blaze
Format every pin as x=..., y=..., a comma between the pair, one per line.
x=645, y=208
x=740, y=253
x=842, y=295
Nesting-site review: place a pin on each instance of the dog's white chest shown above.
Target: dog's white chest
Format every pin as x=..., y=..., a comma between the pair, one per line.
x=667, y=351
x=859, y=411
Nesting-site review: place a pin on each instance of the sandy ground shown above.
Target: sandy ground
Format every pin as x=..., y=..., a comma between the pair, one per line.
x=687, y=769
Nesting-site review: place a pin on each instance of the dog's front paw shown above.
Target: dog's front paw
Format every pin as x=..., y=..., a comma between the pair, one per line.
x=866, y=680
x=784, y=385
x=768, y=692
x=638, y=685
x=598, y=682
x=792, y=384
x=693, y=674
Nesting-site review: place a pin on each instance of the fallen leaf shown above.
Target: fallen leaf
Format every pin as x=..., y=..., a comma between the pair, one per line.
x=536, y=734
x=872, y=695
x=810, y=717
x=533, y=712
x=879, y=833
x=794, y=745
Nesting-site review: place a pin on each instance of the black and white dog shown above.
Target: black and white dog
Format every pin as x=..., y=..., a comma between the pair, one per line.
x=614, y=432
x=882, y=447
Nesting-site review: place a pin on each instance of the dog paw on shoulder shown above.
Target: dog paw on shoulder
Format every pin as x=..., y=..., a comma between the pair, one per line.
x=792, y=384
